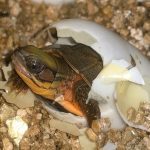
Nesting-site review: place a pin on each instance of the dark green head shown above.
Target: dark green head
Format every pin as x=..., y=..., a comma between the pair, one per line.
x=33, y=62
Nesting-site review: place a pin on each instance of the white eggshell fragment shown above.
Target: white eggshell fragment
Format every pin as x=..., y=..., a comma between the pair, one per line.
x=129, y=98
x=22, y=99
x=6, y=71
x=111, y=47
x=65, y=127
x=118, y=70
x=16, y=128
x=130, y=95
x=80, y=122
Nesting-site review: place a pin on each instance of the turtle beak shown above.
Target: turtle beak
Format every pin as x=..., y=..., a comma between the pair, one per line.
x=18, y=62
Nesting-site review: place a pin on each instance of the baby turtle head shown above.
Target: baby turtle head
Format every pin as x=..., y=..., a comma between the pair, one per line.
x=37, y=69
x=33, y=62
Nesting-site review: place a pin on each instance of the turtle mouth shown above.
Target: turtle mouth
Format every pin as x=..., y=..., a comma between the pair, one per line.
x=19, y=63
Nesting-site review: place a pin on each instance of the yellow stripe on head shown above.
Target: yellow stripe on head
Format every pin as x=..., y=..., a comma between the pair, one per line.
x=47, y=93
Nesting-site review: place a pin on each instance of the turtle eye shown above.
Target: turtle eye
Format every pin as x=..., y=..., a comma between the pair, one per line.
x=34, y=65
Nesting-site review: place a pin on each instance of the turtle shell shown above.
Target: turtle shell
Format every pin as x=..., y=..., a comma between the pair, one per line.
x=82, y=59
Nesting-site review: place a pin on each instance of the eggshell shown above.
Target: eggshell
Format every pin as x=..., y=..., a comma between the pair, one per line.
x=111, y=47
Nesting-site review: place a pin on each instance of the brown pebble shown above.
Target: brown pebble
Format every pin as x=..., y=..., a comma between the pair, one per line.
x=25, y=144
x=52, y=13
x=92, y=9
x=39, y=116
x=49, y=143
x=102, y=139
x=128, y=135
x=146, y=26
x=34, y=130
x=147, y=142
x=96, y=127
x=7, y=145
x=91, y=135
x=108, y=11
x=147, y=39
x=15, y=10
x=21, y=112
x=3, y=129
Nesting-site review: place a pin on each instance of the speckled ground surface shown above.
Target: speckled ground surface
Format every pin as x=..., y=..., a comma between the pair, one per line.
x=20, y=19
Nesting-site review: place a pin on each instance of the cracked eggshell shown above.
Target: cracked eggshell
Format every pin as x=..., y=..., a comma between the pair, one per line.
x=65, y=127
x=111, y=47
x=108, y=44
x=130, y=96
x=22, y=99
x=80, y=122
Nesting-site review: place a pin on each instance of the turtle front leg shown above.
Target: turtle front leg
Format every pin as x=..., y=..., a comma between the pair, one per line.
x=91, y=109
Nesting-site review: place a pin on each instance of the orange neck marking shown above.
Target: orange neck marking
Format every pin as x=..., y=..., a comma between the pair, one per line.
x=68, y=103
x=50, y=94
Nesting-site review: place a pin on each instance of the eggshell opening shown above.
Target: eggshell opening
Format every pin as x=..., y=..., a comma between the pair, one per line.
x=111, y=47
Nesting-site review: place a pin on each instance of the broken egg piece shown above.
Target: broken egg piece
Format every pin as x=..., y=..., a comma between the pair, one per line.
x=133, y=103
x=16, y=128
x=65, y=127
x=21, y=99
x=120, y=70
x=130, y=64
